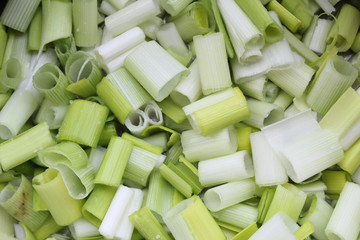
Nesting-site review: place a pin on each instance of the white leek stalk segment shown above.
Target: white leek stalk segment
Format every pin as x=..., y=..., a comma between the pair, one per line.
x=131, y=16
x=325, y=5
x=336, y=77
x=155, y=69
x=189, y=89
x=229, y=194
x=260, y=89
x=291, y=111
x=116, y=222
x=312, y=154
x=151, y=26
x=267, y=166
x=17, y=14
x=52, y=114
x=83, y=229
x=137, y=122
x=213, y=65
x=118, y=62
x=190, y=220
x=344, y=222
x=318, y=40
x=106, y=8
x=279, y=227
x=196, y=147
x=233, y=167
x=153, y=113
x=106, y=36
x=243, y=33
x=96, y=156
x=283, y=100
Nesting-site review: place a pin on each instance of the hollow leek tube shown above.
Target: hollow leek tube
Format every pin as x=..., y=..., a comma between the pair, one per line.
x=122, y=93
x=217, y=111
x=51, y=188
x=153, y=113
x=260, y=89
x=155, y=69
x=190, y=219
x=17, y=199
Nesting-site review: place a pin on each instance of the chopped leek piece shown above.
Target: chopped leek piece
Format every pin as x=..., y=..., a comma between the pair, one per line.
x=175, y=180
x=174, y=136
x=136, y=122
x=173, y=111
x=64, y=48
x=174, y=7
x=52, y=114
x=142, y=144
x=153, y=113
x=107, y=133
x=83, y=229
x=283, y=100
x=3, y=42
x=286, y=17
x=151, y=26
x=85, y=22
x=246, y=233
x=260, y=89
x=35, y=31
x=335, y=181
x=351, y=158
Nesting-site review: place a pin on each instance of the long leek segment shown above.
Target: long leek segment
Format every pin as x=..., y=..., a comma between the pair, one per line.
x=51, y=113
x=344, y=222
x=25, y=146
x=213, y=65
x=51, y=188
x=64, y=48
x=131, y=16
x=17, y=199
x=318, y=39
x=260, y=89
x=286, y=17
x=191, y=220
x=228, y=194
x=197, y=147
x=83, y=229
x=217, y=111
x=336, y=77
x=17, y=14
x=83, y=123
x=35, y=30
x=122, y=93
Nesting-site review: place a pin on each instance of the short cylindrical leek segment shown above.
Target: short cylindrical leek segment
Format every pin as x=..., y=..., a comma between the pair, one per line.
x=243, y=136
x=335, y=181
x=189, y=89
x=83, y=229
x=83, y=123
x=287, y=199
x=188, y=173
x=344, y=222
x=155, y=69
x=153, y=113
x=132, y=15
x=56, y=21
x=217, y=111
x=172, y=110
x=283, y=100
x=107, y=133
x=351, y=158
x=260, y=89
x=142, y=144
x=7, y=223
x=170, y=39
x=106, y=8
x=51, y=188
x=175, y=180
x=259, y=16
x=233, y=167
x=18, y=14
x=35, y=31
x=191, y=220
x=286, y=17
x=3, y=41
x=336, y=77
x=52, y=114
x=64, y=48
x=229, y=194
x=114, y=163
x=196, y=147
x=151, y=26
x=48, y=227
x=85, y=22
x=174, y=7
x=51, y=82
x=356, y=45
x=301, y=10
x=25, y=146
x=318, y=40
x=213, y=66
x=262, y=113
x=136, y=122
x=239, y=215
x=348, y=19
x=17, y=199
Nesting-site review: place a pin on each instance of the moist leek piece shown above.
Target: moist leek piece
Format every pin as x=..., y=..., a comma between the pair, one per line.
x=174, y=153
x=344, y=222
x=35, y=31
x=83, y=123
x=287, y=199
x=170, y=39
x=85, y=22
x=174, y=7
x=64, y=48
x=83, y=229
x=142, y=144
x=96, y=156
x=52, y=114
x=3, y=42
x=175, y=180
x=98, y=203
x=51, y=82
x=263, y=21
x=151, y=26
x=153, y=113
x=25, y=146
x=217, y=111
x=17, y=14
x=348, y=20
x=239, y=215
x=351, y=158
x=246, y=233
x=312, y=154
x=263, y=113
x=116, y=222
x=131, y=16
x=326, y=5
x=318, y=40
x=293, y=80
x=191, y=220
x=172, y=110
x=260, y=89
x=51, y=188
x=56, y=20
x=244, y=35
x=158, y=139
x=72, y=163
x=7, y=222
x=117, y=46
x=213, y=65
x=17, y=199
x=283, y=100
x=335, y=181
x=355, y=47
x=286, y=17
x=155, y=69
x=197, y=147
x=136, y=122
x=147, y=224
x=229, y=194
x=229, y=168
x=114, y=163
x=107, y=133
